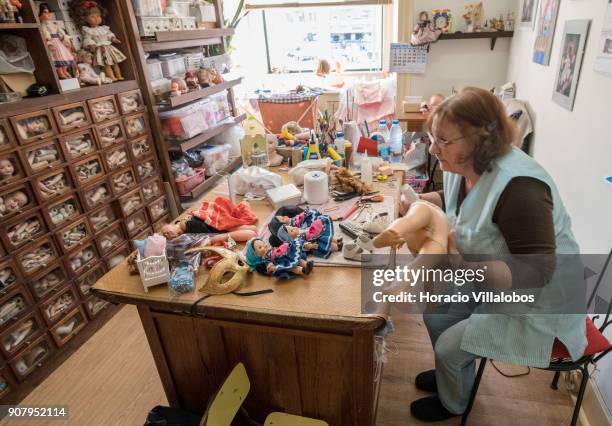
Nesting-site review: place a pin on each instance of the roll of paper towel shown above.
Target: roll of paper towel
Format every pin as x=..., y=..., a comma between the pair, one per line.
x=315, y=187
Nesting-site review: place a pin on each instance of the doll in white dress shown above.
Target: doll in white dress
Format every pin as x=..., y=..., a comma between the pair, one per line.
x=87, y=73
x=99, y=39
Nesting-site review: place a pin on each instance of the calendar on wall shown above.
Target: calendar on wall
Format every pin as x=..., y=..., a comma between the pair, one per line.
x=406, y=58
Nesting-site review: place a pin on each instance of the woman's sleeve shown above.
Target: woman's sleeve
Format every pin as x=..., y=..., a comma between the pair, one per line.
x=524, y=215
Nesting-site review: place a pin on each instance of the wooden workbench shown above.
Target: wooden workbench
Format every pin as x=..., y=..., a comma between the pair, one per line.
x=307, y=348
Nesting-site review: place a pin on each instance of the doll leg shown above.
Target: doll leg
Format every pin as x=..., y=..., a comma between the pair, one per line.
x=251, y=227
x=117, y=72
x=400, y=230
x=108, y=70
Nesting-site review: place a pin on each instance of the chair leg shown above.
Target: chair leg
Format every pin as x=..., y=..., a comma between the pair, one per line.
x=553, y=385
x=580, y=396
x=481, y=367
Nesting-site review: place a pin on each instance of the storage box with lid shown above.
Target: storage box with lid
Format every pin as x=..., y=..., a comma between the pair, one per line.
x=216, y=158
x=154, y=69
x=149, y=7
x=193, y=60
x=149, y=25
x=172, y=65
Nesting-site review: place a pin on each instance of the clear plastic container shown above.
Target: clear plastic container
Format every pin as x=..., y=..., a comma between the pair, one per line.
x=396, y=141
x=181, y=8
x=216, y=158
x=172, y=65
x=148, y=7
x=188, y=121
x=154, y=68
x=221, y=106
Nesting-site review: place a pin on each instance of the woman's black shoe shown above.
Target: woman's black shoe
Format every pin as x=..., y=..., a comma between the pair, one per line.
x=430, y=409
x=426, y=381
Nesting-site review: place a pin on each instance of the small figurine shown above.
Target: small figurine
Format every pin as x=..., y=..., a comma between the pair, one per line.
x=178, y=86
x=191, y=80
x=9, y=11
x=58, y=43
x=285, y=261
x=98, y=38
x=87, y=73
x=7, y=170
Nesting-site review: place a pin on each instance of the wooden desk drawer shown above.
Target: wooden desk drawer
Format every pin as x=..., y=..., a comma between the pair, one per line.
x=17, y=199
x=49, y=280
x=52, y=184
x=74, y=235
x=110, y=239
x=96, y=194
x=65, y=330
x=59, y=305
x=36, y=256
x=136, y=223
x=103, y=109
x=78, y=144
x=34, y=126
x=62, y=211
x=21, y=334
x=9, y=276
x=42, y=156
x=72, y=116
x=14, y=305
x=23, y=230
x=81, y=260
x=94, y=306
x=11, y=168
x=32, y=358
x=110, y=134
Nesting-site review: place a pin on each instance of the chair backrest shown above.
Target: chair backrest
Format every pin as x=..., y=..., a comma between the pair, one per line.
x=229, y=398
x=600, y=278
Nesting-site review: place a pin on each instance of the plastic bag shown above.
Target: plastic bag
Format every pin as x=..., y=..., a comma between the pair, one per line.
x=254, y=180
x=14, y=56
x=194, y=157
x=299, y=171
x=181, y=167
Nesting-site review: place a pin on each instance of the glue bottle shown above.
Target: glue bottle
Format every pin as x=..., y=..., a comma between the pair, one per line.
x=366, y=170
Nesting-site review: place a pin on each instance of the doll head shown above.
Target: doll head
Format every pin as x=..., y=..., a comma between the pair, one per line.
x=288, y=233
x=6, y=168
x=84, y=56
x=256, y=249
x=423, y=17
x=38, y=125
x=180, y=84
x=171, y=230
x=87, y=13
x=15, y=201
x=44, y=13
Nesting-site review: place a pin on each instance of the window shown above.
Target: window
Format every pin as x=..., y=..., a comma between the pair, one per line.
x=296, y=38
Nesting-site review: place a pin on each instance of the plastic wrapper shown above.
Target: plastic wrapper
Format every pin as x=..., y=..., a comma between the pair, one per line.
x=180, y=167
x=184, y=266
x=194, y=157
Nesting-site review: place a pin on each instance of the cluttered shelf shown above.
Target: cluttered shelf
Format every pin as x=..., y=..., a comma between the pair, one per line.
x=493, y=35
x=194, y=95
x=211, y=181
x=208, y=134
x=165, y=36
x=79, y=95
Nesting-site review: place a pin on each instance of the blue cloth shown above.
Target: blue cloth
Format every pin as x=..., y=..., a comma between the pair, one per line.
x=141, y=245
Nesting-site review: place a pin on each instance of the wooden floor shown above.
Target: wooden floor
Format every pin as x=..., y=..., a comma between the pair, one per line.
x=112, y=380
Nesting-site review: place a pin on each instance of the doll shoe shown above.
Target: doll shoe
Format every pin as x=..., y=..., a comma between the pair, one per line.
x=308, y=268
x=377, y=225
x=364, y=241
x=353, y=251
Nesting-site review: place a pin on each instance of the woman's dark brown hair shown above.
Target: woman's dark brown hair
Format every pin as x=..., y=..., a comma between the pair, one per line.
x=479, y=112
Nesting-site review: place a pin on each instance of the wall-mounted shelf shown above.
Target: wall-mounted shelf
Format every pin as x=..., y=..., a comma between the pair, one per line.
x=493, y=35
x=17, y=26
x=211, y=181
x=194, y=95
x=193, y=34
x=208, y=134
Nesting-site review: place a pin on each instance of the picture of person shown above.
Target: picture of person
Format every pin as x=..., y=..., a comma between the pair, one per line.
x=607, y=49
x=568, y=64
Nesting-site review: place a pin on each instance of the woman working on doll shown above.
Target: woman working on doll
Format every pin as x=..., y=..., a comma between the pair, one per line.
x=499, y=201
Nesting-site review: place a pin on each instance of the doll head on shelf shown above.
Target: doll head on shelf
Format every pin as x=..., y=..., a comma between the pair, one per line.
x=15, y=201
x=6, y=168
x=178, y=86
x=256, y=249
x=44, y=13
x=87, y=13
x=85, y=57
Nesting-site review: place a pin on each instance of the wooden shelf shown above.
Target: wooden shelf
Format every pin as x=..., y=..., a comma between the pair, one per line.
x=17, y=26
x=78, y=95
x=194, y=95
x=211, y=181
x=171, y=40
x=493, y=35
x=193, y=34
x=203, y=137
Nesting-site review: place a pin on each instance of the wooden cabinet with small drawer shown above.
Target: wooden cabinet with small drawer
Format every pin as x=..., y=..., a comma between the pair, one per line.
x=9, y=275
x=49, y=280
x=58, y=305
x=67, y=328
x=131, y=202
x=72, y=116
x=63, y=210
x=141, y=148
x=135, y=125
x=102, y=216
x=158, y=208
x=103, y=109
x=78, y=144
x=74, y=235
x=116, y=157
x=157, y=226
x=53, y=184
x=36, y=256
x=146, y=169
x=116, y=257
x=15, y=200
x=110, y=239
x=96, y=194
x=21, y=334
x=7, y=138
x=94, y=306
x=87, y=170
x=11, y=169
x=32, y=357
x=84, y=282
x=110, y=134
x=23, y=229
x=14, y=305
x=42, y=156
x=130, y=102
x=34, y=126
x=123, y=181
x=136, y=223
x=81, y=260
x=152, y=189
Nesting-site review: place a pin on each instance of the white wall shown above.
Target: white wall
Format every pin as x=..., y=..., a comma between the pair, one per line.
x=458, y=63
x=575, y=147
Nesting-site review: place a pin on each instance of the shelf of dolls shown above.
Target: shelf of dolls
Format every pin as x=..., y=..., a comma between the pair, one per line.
x=493, y=35
x=211, y=181
x=208, y=134
x=194, y=95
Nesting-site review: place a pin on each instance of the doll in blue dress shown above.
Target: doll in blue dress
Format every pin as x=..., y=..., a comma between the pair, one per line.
x=285, y=261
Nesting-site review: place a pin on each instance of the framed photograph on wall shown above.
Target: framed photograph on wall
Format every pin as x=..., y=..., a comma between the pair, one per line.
x=572, y=50
x=547, y=19
x=528, y=13
x=603, y=60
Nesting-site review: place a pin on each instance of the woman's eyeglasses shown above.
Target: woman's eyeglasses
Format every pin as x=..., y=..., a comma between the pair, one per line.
x=444, y=142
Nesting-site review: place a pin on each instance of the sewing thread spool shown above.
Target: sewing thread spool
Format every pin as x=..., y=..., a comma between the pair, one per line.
x=316, y=187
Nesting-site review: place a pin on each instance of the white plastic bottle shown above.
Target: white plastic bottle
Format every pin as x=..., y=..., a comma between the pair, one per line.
x=396, y=142
x=339, y=143
x=383, y=129
x=366, y=170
